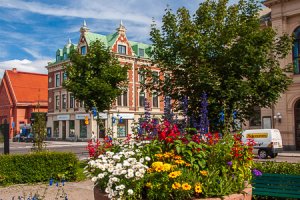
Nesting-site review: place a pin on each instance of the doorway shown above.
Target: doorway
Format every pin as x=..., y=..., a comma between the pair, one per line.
x=64, y=130
x=297, y=124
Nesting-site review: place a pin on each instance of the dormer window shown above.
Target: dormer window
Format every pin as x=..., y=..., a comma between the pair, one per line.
x=83, y=50
x=141, y=52
x=65, y=56
x=121, y=49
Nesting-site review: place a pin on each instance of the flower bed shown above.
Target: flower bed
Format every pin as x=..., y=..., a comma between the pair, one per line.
x=171, y=165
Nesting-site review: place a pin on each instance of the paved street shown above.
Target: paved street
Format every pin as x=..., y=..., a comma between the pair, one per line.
x=79, y=148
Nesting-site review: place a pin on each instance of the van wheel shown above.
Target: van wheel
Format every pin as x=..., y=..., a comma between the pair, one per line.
x=262, y=154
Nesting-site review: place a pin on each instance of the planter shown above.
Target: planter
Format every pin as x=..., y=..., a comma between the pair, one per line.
x=245, y=195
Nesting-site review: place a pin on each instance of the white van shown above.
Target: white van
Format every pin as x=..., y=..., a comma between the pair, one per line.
x=268, y=141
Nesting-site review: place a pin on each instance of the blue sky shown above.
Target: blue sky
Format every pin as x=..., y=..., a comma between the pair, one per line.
x=32, y=30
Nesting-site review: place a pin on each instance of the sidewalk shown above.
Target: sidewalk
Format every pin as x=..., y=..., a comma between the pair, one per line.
x=289, y=154
x=74, y=190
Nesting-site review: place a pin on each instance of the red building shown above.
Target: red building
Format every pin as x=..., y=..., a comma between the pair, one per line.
x=20, y=93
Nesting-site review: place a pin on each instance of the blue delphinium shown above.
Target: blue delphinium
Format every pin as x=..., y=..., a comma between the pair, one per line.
x=203, y=126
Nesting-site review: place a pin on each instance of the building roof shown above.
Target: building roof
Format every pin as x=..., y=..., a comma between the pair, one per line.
x=108, y=40
x=28, y=87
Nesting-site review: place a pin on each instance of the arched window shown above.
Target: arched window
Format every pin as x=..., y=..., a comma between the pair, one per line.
x=296, y=49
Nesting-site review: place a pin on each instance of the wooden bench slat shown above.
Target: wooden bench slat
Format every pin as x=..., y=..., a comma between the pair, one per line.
x=271, y=192
x=279, y=176
x=275, y=195
x=277, y=187
x=281, y=183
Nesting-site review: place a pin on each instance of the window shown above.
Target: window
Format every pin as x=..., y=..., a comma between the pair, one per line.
x=255, y=119
x=155, y=99
x=125, y=98
x=122, y=128
x=141, y=77
x=65, y=76
x=141, y=52
x=122, y=99
x=64, y=101
x=81, y=104
x=83, y=129
x=119, y=100
x=57, y=79
x=83, y=50
x=57, y=102
x=296, y=53
x=71, y=128
x=65, y=56
x=71, y=100
x=142, y=99
x=57, y=58
x=56, y=129
x=155, y=77
x=121, y=49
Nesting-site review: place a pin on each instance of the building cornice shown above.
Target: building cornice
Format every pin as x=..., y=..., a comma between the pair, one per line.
x=270, y=3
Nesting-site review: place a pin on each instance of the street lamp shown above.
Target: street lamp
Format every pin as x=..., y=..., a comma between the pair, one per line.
x=278, y=117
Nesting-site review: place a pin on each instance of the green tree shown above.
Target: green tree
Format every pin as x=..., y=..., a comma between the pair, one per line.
x=39, y=131
x=96, y=78
x=221, y=50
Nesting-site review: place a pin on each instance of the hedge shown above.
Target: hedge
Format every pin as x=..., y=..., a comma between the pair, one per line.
x=37, y=167
x=278, y=167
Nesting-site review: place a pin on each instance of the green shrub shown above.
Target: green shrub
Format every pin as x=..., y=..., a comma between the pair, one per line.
x=278, y=167
x=37, y=167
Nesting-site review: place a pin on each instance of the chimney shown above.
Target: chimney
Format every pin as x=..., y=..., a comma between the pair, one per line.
x=14, y=70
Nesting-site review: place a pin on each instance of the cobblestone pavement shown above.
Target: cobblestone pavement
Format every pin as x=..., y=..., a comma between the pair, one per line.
x=74, y=190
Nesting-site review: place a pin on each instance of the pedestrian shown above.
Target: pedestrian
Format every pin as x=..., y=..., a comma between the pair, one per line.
x=93, y=137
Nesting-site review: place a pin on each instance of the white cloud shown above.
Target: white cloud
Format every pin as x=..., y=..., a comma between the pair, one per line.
x=109, y=10
x=37, y=66
x=33, y=53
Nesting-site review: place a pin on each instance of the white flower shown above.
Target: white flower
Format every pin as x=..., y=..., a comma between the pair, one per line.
x=141, y=160
x=121, y=192
x=147, y=158
x=130, y=192
x=122, y=187
x=94, y=179
x=138, y=174
x=107, y=190
x=130, y=171
x=100, y=175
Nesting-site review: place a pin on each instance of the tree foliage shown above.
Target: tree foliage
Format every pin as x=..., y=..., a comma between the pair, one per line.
x=96, y=78
x=222, y=51
x=39, y=131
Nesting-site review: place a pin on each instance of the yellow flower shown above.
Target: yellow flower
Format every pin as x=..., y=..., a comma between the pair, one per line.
x=167, y=167
x=149, y=185
x=186, y=186
x=176, y=185
x=179, y=162
x=177, y=157
x=187, y=164
x=204, y=173
x=159, y=168
x=174, y=174
x=149, y=170
x=198, y=188
x=155, y=164
x=159, y=155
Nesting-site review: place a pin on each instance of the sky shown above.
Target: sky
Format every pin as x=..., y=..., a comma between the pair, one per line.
x=32, y=30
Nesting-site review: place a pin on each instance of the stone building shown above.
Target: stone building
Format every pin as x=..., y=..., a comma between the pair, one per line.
x=20, y=94
x=284, y=17
x=66, y=116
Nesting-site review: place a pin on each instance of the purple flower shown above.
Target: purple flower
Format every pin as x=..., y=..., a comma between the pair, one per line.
x=229, y=163
x=256, y=172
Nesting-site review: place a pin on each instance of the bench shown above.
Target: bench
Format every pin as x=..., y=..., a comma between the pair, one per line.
x=277, y=185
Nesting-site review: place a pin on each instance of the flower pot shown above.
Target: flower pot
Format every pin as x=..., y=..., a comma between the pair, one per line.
x=98, y=195
x=245, y=195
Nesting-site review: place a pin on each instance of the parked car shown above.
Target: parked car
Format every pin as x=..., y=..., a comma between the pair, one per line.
x=268, y=142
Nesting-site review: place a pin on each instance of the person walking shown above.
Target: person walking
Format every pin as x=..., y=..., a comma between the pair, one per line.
x=93, y=137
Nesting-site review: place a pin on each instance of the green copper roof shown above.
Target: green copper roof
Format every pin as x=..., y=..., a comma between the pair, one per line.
x=91, y=37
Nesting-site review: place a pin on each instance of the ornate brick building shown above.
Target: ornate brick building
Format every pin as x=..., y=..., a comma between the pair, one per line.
x=20, y=93
x=284, y=17
x=66, y=115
